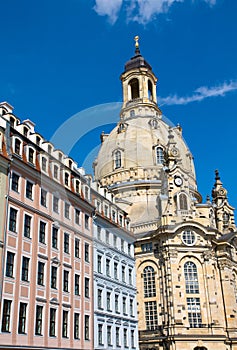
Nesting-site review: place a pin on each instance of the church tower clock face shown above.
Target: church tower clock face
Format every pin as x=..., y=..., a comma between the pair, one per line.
x=178, y=181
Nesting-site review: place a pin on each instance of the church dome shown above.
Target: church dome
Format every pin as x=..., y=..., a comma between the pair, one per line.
x=137, y=158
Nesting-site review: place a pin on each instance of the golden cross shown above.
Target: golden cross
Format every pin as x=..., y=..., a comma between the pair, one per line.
x=136, y=41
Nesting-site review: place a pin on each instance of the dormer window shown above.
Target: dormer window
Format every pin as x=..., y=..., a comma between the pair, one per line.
x=159, y=155
x=12, y=122
x=37, y=140
x=134, y=86
x=25, y=131
x=49, y=149
x=70, y=164
x=31, y=156
x=117, y=159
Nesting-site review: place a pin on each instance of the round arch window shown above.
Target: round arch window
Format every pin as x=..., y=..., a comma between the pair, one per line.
x=189, y=237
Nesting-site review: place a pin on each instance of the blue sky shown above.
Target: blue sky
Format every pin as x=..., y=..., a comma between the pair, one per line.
x=61, y=57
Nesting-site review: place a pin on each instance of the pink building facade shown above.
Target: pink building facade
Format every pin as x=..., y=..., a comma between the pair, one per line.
x=47, y=275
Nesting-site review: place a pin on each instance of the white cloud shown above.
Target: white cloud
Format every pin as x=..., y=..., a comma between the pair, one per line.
x=108, y=8
x=141, y=11
x=199, y=94
x=146, y=10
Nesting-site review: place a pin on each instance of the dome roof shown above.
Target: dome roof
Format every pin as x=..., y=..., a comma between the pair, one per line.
x=137, y=140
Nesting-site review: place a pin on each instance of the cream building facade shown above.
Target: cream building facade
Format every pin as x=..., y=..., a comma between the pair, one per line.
x=185, y=248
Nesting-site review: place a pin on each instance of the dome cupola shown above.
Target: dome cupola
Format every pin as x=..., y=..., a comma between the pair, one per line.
x=133, y=159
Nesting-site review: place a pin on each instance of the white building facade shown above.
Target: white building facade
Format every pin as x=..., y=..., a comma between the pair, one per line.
x=115, y=312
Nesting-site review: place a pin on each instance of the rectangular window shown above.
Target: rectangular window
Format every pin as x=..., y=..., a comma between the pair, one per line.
x=100, y=334
x=44, y=164
x=42, y=230
x=194, y=312
x=31, y=156
x=106, y=210
x=17, y=147
x=67, y=210
x=40, y=277
x=65, y=324
x=99, y=232
x=87, y=327
x=146, y=247
x=52, y=322
x=25, y=269
x=122, y=245
x=77, y=216
x=10, y=264
x=130, y=276
x=27, y=226
x=53, y=277
x=131, y=307
x=29, y=190
x=129, y=249
x=77, y=284
x=99, y=298
x=77, y=186
x=125, y=337
x=77, y=248
x=107, y=267
x=108, y=298
x=66, y=243
x=87, y=221
x=76, y=326
x=43, y=198
x=124, y=306
x=116, y=270
x=15, y=182
x=55, y=204
x=87, y=287
x=55, y=171
x=87, y=256
x=6, y=315
x=12, y=219
x=117, y=337
x=66, y=179
x=115, y=241
x=109, y=336
x=55, y=237
x=107, y=236
x=116, y=302
x=65, y=281
x=123, y=273
x=99, y=263
x=151, y=315
x=132, y=338
x=22, y=319
x=38, y=320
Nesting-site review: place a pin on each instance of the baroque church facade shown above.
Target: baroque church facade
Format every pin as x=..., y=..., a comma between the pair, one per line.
x=185, y=250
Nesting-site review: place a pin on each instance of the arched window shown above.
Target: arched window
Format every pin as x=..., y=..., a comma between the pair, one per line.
x=191, y=278
x=117, y=159
x=159, y=155
x=150, y=93
x=134, y=85
x=149, y=282
x=183, y=203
